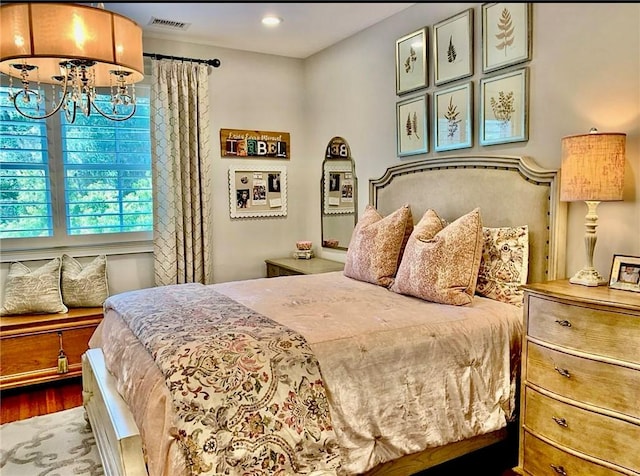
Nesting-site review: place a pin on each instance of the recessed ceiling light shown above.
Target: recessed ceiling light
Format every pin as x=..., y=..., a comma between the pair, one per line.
x=271, y=20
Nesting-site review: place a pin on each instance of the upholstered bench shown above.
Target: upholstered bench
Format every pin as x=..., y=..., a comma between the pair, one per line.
x=37, y=348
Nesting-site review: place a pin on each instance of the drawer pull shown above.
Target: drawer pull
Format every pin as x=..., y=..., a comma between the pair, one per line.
x=559, y=469
x=563, y=323
x=560, y=421
x=563, y=372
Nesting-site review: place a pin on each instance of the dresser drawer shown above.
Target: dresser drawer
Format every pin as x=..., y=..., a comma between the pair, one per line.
x=609, y=439
x=601, y=332
x=609, y=386
x=542, y=459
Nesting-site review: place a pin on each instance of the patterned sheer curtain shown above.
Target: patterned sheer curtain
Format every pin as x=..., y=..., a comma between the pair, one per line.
x=182, y=170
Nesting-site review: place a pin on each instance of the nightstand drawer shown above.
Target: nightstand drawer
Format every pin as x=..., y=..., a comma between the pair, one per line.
x=542, y=459
x=567, y=425
x=596, y=331
x=609, y=386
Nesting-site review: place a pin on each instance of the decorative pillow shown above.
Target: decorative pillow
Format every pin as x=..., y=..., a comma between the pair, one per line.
x=505, y=264
x=84, y=286
x=33, y=292
x=376, y=245
x=441, y=264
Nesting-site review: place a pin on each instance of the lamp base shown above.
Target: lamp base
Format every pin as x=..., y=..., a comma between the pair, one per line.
x=588, y=277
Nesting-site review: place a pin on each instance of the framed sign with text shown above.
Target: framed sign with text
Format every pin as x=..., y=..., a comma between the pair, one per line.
x=254, y=144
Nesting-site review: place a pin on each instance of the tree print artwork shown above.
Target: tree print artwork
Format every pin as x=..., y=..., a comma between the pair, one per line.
x=452, y=119
x=451, y=51
x=412, y=125
x=506, y=30
x=411, y=59
x=503, y=109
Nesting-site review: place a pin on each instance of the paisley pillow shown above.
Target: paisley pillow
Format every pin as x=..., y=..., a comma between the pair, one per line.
x=376, y=245
x=84, y=286
x=33, y=291
x=505, y=264
x=440, y=263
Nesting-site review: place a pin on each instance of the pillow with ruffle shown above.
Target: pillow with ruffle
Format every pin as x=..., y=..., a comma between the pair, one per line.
x=84, y=286
x=505, y=264
x=33, y=292
x=440, y=263
x=377, y=244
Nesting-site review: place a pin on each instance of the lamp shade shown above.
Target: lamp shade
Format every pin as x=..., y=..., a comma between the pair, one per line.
x=46, y=34
x=592, y=167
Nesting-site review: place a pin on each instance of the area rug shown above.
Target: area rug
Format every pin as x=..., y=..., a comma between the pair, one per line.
x=59, y=444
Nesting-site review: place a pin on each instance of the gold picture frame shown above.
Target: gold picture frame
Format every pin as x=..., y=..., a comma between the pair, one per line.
x=412, y=132
x=453, y=47
x=506, y=34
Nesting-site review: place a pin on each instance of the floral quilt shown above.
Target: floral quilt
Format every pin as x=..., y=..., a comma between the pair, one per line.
x=247, y=391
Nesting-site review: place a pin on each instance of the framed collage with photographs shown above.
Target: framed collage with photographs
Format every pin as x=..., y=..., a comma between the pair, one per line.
x=411, y=126
x=453, y=47
x=453, y=117
x=411, y=62
x=257, y=191
x=504, y=108
x=506, y=35
x=625, y=273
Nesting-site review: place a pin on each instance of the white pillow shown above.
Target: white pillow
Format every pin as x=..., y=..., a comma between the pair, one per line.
x=33, y=292
x=84, y=286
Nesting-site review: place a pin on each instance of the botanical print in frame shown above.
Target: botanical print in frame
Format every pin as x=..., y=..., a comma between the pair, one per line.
x=257, y=191
x=504, y=108
x=411, y=126
x=506, y=34
x=625, y=273
x=411, y=62
x=453, y=47
x=453, y=117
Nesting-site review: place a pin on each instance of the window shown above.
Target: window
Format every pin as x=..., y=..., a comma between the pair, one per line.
x=70, y=184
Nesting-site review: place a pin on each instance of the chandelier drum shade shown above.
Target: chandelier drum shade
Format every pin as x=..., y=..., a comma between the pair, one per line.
x=75, y=48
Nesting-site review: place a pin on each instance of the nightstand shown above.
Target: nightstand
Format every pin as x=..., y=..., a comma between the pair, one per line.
x=580, y=400
x=30, y=345
x=292, y=266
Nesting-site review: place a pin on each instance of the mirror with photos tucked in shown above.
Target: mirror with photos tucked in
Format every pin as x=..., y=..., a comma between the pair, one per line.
x=339, y=195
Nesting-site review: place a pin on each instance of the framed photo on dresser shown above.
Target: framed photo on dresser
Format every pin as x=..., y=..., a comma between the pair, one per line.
x=625, y=273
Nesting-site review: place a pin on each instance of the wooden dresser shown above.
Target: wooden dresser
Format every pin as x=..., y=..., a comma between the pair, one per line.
x=30, y=345
x=292, y=266
x=580, y=401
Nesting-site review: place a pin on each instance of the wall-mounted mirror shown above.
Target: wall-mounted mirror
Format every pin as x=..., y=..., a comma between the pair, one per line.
x=339, y=195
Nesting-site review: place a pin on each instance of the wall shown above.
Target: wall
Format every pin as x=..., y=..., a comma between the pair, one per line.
x=585, y=72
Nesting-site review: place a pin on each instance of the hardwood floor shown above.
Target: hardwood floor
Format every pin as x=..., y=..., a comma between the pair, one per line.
x=25, y=402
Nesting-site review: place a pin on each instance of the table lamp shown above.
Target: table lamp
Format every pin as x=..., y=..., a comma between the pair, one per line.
x=592, y=171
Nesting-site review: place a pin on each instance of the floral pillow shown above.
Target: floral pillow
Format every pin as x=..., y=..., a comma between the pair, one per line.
x=505, y=264
x=33, y=291
x=84, y=286
x=440, y=263
x=376, y=245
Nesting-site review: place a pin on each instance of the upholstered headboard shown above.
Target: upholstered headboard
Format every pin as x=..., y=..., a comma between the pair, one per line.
x=510, y=191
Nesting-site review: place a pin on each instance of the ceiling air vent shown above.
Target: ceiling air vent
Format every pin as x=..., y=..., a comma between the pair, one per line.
x=174, y=25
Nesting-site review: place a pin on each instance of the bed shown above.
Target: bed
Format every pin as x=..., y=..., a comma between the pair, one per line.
x=363, y=391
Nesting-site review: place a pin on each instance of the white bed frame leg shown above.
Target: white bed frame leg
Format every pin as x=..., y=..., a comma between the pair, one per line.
x=117, y=436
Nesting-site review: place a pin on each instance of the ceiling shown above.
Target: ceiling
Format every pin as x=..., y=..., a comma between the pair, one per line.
x=306, y=27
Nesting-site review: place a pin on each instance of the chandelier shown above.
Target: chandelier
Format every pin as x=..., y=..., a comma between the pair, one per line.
x=76, y=49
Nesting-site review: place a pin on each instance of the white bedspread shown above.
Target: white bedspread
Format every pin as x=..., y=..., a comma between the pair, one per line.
x=402, y=374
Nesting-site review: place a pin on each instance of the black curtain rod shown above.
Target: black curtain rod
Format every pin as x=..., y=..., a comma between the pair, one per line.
x=212, y=62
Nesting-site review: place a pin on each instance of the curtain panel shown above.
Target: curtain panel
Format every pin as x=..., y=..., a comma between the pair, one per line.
x=181, y=167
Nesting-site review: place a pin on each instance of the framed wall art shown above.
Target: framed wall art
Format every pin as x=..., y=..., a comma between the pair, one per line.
x=453, y=117
x=506, y=34
x=504, y=108
x=411, y=126
x=257, y=191
x=453, y=47
x=411, y=62
x=625, y=273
